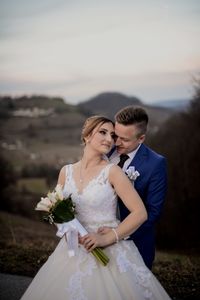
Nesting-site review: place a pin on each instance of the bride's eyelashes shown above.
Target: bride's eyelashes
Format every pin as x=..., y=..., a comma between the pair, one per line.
x=104, y=132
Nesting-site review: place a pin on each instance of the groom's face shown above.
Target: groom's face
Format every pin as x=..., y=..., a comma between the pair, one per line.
x=127, y=138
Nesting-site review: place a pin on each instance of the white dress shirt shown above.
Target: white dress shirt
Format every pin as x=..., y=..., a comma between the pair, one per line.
x=115, y=158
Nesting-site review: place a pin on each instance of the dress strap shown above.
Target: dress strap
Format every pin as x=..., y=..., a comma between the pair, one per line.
x=68, y=172
x=107, y=169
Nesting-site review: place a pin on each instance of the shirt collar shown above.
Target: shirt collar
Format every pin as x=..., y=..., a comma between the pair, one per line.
x=133, y=153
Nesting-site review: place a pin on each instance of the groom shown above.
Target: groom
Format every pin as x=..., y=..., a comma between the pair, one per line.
x=130, y=128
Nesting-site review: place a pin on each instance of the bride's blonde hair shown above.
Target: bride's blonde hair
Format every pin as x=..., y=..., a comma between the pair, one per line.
x=91, y=123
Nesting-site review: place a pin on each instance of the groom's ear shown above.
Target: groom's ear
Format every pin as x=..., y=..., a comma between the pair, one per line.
x=142, y=138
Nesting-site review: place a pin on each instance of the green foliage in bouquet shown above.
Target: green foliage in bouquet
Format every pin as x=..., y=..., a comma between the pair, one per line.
x=62, y=211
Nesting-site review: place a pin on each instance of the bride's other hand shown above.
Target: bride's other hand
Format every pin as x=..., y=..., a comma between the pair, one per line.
x=92, y=240
x=104, y=229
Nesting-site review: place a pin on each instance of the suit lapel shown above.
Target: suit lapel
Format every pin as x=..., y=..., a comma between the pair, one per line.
x=140, y=156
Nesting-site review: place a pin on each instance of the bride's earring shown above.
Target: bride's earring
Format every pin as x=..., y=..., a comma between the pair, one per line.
x=87, y=141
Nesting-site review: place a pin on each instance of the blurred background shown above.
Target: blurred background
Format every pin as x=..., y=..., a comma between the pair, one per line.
x=62, y=61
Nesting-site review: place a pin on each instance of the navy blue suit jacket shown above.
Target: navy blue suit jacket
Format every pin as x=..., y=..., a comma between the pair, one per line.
x=151, y=186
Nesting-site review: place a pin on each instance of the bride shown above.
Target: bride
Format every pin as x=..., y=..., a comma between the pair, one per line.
x=94, y=184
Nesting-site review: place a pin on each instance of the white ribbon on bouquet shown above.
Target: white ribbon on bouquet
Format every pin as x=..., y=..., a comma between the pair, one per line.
x=71, y=230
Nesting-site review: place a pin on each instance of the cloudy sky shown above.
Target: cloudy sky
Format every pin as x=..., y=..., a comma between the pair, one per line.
x=79, y=48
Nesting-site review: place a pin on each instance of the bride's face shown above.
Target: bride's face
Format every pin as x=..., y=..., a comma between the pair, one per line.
x=102, y=137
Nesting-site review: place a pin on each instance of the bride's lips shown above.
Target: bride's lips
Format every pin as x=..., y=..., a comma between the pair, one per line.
x=106, y=145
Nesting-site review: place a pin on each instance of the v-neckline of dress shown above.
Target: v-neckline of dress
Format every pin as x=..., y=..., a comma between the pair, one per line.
x=80, y=192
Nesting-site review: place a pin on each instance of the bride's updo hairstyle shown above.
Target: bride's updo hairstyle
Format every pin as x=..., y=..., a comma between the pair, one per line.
x=91, y=123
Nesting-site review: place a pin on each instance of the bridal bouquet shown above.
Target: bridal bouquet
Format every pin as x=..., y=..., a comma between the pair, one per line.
x=61, y=212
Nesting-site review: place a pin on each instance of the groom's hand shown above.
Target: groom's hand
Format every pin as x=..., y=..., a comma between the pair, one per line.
x=104, y=229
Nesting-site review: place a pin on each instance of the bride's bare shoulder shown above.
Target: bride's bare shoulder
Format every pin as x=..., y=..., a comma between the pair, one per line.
x=63, y=173
x=115, y=171
x=76, y=164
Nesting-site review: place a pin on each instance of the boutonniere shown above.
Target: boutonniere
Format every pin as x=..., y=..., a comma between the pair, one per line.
x=132, y=173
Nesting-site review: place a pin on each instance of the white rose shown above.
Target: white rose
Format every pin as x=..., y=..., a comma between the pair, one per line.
x=59, y=191
x=42, y=207
x=52, y=197
x=46, y=202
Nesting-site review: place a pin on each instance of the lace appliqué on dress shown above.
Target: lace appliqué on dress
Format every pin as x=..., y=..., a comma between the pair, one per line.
x=75, y=287
x=97, y=196
x=143, y=275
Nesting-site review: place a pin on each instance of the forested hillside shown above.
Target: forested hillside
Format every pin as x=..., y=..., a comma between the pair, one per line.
x=179, y=140
x=41, y=129
x=40, y=134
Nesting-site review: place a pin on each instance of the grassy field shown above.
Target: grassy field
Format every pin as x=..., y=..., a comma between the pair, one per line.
x=33, y=184
x=25, y=245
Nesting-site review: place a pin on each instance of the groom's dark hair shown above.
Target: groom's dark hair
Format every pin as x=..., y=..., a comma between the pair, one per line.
x=131, y=115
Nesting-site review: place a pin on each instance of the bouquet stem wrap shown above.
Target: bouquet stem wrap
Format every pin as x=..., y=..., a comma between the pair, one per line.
x=71, y=229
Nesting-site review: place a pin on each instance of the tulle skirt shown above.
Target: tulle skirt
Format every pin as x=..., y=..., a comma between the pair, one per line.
x=82, y=277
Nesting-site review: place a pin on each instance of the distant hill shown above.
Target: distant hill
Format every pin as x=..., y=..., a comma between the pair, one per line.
x=178, y=105
x=109, y=103
x=40, y=129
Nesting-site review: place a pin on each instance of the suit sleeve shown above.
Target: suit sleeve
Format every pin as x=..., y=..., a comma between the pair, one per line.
x=156, y=192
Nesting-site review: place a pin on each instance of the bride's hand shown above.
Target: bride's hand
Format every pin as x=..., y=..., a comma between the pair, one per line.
x=104, y=229
x=92, y=240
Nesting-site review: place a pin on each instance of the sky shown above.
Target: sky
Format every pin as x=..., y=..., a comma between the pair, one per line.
x=77, y=49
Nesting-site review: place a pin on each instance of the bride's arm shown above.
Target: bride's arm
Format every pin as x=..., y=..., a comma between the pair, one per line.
x=132, y=201
x=61, y=176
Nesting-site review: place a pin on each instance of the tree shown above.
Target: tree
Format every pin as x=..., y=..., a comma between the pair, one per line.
x=7, y=178
x=179, y=141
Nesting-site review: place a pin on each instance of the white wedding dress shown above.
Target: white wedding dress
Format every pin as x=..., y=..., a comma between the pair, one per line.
x=82, y=277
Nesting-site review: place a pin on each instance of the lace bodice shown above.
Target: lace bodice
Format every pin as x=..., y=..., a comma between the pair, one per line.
x=96, y=205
